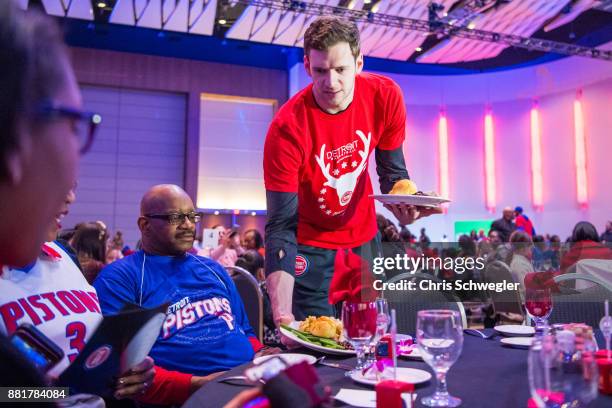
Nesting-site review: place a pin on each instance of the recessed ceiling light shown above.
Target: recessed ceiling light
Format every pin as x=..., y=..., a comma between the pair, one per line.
x=101, y=4
x=471, y=26
x=367, y=1
x=418, y=49
x=222, y=21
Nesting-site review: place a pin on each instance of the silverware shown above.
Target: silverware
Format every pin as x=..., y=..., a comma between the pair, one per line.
x=240, y=380
x=478, y=333
x=344, y=367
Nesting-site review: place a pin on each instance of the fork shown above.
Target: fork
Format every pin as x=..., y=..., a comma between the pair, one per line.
x=478, y=333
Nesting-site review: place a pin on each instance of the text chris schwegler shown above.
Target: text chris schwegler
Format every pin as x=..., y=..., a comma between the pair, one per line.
x=414, y=264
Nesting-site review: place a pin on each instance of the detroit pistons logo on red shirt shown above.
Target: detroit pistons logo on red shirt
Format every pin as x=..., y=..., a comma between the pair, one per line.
x=98, y=357
x=344, y=177
x=301, y=265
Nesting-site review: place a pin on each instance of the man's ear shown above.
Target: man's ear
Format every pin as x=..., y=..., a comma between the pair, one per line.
x=143, y=223
x=359, y=63
x=307, y=65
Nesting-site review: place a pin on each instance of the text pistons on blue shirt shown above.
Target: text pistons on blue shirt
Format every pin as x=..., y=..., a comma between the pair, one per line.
x=192, y=312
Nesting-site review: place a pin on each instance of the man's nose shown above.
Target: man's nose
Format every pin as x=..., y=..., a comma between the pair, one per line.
x=331, y=79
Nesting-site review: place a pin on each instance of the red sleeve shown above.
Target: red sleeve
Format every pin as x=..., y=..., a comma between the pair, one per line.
x=255, y=344
x=282, y=160
x=168, y=388
x=395, y=117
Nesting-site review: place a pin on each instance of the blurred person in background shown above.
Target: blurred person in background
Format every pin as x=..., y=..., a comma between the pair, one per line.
x=40, y=109
x=252, y=239
x=229, y=247
x=504, y=225
x=89, y=243
x=112, y=255
x=522, y=222
x=606, y=237
x=584, y=244
x=521, y=264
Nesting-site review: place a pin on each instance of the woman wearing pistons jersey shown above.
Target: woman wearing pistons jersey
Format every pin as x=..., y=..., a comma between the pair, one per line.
x=53, y=295
x=315, y=169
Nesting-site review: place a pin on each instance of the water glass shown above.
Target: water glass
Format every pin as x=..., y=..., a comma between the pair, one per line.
x=559, y=377
x=439, y=335
x=359, y=324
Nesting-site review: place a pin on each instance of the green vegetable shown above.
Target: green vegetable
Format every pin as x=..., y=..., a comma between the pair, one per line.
x=311, y=338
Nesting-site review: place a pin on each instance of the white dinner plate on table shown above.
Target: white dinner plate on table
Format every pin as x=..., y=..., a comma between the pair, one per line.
x=312, y=346
x=409, y=375
x=288, y=358
x=410, y=199
x=517, y=342
x=515, y=330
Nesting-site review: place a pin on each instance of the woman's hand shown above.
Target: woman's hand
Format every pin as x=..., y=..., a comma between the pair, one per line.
x=136, y=381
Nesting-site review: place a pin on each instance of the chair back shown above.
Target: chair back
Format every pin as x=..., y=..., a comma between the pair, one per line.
x=585, y=306
x=507, y=301
x=252, y=297
x=599, y=268
x=408, y=302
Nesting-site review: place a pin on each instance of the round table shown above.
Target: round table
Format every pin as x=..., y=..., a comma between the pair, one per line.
x=487, y=374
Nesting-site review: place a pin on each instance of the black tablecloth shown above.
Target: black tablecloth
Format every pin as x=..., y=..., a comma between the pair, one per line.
x=486, y=375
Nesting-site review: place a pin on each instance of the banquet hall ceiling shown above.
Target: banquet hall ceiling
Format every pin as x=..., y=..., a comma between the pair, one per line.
x=580, y=22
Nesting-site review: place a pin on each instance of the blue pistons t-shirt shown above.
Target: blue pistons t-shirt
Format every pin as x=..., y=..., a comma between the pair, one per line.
x=206, y=328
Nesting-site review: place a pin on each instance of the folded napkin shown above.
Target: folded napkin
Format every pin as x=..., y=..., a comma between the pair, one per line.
x=352, y=280
x=357, y=398
x=484, y=333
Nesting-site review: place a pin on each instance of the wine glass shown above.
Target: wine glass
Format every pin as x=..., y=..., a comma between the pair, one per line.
x=439, y=335
x=382, y=324
x=561, y=376
x=538, y=302
x=359, y=325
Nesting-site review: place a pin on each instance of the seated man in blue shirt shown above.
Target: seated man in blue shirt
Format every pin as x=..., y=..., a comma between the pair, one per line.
x=206, y=328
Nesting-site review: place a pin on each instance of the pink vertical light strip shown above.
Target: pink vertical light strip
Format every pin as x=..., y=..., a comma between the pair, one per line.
x=580, y=153
x=536, y=159
x=489, y=151
x=443, y=182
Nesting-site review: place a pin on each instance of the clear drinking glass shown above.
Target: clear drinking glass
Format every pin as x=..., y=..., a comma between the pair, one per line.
x=439, y=334
x=382, y=325
x=359, y=327
x=561, y=378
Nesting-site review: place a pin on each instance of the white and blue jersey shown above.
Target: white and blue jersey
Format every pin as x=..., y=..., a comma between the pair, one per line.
x=206, y=328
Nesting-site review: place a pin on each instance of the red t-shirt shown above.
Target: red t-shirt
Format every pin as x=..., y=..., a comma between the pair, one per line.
x=324, y=157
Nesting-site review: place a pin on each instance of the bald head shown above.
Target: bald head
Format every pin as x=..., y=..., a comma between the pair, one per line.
x=157, y=198
x=160, y=236
x=508, y=213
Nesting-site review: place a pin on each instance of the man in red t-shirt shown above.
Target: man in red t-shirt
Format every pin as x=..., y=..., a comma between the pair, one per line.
x=315, y=169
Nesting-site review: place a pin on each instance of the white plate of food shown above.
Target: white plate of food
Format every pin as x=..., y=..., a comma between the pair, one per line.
x=517, y=342
x=404, y=374
x=515, y=330
x=322, y=334
x=288, y=358
x=421, y=200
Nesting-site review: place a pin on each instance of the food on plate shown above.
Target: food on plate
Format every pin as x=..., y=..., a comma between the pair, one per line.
x=319, y=341
x=404, y=187
x=322, y=326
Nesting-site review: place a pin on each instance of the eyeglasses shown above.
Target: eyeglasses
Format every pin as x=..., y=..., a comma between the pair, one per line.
x=87, y=122
x=177, y=218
